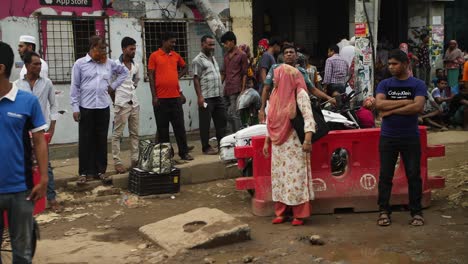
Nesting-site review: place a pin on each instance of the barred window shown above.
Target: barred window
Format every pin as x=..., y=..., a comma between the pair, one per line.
x=153, y=32
x=64, y=39
x=188, y=36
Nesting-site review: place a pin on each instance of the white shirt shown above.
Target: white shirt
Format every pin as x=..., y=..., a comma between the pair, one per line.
x=45, y=93
x=44, y=70
x=347, y=53
x=126, y=92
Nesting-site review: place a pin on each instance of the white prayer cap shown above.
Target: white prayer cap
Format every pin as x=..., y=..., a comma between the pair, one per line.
x=28, y=39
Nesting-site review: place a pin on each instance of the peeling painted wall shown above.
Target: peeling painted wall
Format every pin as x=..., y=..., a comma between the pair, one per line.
x=124, y=21
x=241, y=14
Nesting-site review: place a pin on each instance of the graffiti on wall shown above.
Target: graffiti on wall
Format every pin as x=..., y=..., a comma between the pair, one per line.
x=437, y=43
x=363, y=66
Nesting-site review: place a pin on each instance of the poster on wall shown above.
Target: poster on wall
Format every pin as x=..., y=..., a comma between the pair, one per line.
x=82, y=3
x=360, y=30
x=363, y=67
x=437, y=43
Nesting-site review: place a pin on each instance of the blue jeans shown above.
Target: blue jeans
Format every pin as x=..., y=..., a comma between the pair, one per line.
x=20, y=224
x=51, y=194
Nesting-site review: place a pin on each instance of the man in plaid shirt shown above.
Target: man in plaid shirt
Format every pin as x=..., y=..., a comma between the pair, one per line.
x=207, y=82
x=336, y=72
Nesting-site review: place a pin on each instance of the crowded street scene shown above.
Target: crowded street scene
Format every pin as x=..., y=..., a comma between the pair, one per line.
x=234, y=131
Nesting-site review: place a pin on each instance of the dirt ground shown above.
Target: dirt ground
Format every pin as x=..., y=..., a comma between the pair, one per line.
x=107, y=231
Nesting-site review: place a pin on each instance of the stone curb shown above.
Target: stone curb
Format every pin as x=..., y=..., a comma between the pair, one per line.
x=193, y=174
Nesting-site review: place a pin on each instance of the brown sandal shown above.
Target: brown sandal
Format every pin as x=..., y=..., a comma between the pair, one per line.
x=105, y=179
x=417, y=220
x=384, y=219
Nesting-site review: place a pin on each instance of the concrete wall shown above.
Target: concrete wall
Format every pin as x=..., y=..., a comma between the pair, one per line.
x=123, y=24
x=241, y=14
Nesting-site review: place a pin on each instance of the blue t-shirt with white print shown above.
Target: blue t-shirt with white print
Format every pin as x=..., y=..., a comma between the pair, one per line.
x=400, y=126
x=20, y=113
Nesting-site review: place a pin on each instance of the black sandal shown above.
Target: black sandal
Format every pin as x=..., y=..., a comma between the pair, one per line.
x=417, y=220
x=384, y=219
x=105, y=179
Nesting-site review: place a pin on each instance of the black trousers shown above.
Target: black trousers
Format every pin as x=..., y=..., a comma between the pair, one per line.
x=215, y=109
x=169, y=110
x=410, y=151
x=92, y=144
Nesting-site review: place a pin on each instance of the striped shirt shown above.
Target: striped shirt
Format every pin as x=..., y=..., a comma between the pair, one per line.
x=336, y=70
x=210, y=78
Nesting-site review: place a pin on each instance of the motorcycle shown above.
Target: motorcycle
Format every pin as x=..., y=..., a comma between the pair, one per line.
x=343, y=116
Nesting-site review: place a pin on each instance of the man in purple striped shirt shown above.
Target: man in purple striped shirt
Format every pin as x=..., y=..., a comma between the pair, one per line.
x=336, y=72
x=91, y=86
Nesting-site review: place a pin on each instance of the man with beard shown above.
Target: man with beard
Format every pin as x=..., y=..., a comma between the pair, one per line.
x=207, y=82
x=126, y=106
x=90, y=89
x=28, y=44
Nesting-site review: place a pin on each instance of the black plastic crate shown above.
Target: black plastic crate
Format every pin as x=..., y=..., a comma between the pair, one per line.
x=147, y=183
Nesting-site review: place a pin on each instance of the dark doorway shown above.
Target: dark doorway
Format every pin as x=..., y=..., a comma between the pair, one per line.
x=456, y=21
x=393, y=23
x=310, y=24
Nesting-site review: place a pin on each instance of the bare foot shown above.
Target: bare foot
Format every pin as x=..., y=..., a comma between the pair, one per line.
x=55, y=206
x=119, y=168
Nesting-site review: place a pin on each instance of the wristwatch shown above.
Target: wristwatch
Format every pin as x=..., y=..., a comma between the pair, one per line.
x=307, y=142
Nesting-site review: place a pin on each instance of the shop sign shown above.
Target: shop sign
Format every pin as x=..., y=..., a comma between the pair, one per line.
x=83, y=3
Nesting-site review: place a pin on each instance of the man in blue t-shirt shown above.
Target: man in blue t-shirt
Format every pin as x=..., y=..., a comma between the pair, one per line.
x=20, y=114
x=400, y=99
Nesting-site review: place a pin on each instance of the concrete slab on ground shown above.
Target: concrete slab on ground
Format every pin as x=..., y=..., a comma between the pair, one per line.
x=199, y=228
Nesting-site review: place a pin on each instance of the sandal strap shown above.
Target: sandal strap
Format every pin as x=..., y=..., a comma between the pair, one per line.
x=384, y=213
x=417, y=218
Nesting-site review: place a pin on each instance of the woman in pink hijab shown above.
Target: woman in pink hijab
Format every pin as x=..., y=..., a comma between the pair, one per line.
x=291, y=177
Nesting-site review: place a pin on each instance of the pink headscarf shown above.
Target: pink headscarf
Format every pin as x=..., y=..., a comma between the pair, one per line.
x=282, y=105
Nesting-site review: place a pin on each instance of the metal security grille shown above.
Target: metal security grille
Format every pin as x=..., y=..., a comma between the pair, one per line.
x=65, y=39
x=188, y=32
x=153, y=33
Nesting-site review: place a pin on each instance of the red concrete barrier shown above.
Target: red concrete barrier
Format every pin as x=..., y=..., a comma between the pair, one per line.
x=356, y=188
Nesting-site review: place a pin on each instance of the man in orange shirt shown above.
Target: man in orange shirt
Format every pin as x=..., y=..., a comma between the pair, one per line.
x=164, y=78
